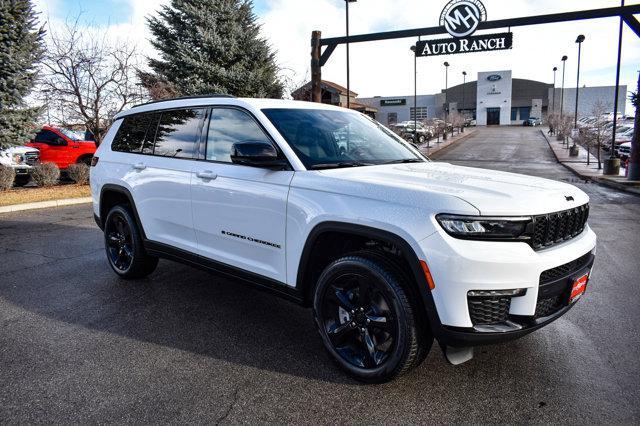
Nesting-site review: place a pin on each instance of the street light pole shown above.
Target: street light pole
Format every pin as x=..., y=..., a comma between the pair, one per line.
x=553, y=109
x=579, y=40
x=612, y=165
x=446, y=103
x=348, y=71
x=464, y=82
x=564, y=66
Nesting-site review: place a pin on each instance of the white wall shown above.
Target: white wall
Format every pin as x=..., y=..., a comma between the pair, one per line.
x=494, y=94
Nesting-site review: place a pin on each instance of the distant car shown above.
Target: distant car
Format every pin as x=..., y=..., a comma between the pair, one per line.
x=21, y=159
x=63, y=147
x=624, y=150
x=532, y=122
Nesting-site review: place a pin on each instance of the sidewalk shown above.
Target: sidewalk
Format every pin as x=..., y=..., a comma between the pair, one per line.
x=434, y=146
x=578, y=165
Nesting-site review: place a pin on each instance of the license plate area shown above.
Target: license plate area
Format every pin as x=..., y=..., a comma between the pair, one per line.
x=578, y=287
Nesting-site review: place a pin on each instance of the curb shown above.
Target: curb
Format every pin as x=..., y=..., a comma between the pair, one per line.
x=45, y=204
x=444, y=148
x=600, y=180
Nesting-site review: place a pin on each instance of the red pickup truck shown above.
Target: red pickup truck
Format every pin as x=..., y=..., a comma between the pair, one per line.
x=63, y=147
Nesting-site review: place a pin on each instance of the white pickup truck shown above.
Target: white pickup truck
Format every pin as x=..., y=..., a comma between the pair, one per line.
x=21, y=159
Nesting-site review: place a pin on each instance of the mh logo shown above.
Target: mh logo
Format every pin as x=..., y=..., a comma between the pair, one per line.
x=461, y=17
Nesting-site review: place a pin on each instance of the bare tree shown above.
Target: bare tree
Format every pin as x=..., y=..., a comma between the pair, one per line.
x=457, y=121
x=597, y=128
x=87, y=78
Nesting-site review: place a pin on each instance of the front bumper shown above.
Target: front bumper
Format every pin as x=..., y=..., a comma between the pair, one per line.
x=460, y=266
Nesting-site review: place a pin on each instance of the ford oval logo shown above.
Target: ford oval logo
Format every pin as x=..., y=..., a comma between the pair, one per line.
x=494, y=77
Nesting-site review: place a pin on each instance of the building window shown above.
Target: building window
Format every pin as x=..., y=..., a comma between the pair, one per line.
x=514, y=114
x=422, y=113
x=392, y=118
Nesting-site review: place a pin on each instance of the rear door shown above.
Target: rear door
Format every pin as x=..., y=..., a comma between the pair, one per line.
x=239, y=211
x=159, y=175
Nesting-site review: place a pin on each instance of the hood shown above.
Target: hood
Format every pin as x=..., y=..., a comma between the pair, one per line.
x=21, y=150
x=491, y=192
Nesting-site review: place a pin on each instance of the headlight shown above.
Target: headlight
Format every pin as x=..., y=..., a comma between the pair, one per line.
x=17, y=158
x=486, y=228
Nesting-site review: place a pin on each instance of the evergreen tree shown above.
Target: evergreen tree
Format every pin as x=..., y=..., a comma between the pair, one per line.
x=210, y=46
x=20, y=51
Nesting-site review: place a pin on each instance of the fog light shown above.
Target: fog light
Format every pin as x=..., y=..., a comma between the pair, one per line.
x=497, y=293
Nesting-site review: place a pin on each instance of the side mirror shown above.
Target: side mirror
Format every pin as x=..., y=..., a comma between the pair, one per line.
x=256, y=154
x=60, y=141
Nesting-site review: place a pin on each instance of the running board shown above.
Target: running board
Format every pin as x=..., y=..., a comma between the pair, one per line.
x=457, y=356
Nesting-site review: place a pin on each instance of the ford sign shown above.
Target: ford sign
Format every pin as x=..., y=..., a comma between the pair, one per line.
x=494, y=77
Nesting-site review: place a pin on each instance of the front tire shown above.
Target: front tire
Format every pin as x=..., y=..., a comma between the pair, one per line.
x=124, y=247
x=367, y=321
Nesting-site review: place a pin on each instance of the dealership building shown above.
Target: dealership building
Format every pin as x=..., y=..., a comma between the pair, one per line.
x=496, y=98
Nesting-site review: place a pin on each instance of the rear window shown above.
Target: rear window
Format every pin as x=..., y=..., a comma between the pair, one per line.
x=178, y=133
x=133, y=131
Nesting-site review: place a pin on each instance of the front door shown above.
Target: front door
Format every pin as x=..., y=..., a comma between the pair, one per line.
x=493, y=116
x=239, y=212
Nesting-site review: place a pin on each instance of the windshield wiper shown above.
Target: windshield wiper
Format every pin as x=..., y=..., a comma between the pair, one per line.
x=405, y=161
x=340, y=165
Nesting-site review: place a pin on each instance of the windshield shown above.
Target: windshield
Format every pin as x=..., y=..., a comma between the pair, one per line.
x=74, y=135
x=325, y=139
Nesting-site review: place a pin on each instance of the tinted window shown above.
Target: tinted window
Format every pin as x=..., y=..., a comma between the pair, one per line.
x=46, y=136
x=334, y=138
x=147, y=145
x=228, y=126
x=131, y=133
x=178, y=132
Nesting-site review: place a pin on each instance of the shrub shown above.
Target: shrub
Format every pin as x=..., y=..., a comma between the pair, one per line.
x=46, y=174
x=7, y=176
x=79, y=173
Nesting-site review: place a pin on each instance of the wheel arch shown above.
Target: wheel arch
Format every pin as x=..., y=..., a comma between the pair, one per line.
x=112, y=195
x=304, y=281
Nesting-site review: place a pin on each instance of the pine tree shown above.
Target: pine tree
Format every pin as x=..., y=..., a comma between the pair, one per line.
x=20, y=51
x=210, y=47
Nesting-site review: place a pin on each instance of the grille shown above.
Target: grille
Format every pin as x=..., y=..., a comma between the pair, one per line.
x=548, y=306
x=31, y=158
x=554, y=228
x=489, y=310
x=564, y=270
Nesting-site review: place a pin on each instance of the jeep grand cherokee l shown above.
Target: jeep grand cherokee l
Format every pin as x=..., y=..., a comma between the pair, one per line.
x=390, y=249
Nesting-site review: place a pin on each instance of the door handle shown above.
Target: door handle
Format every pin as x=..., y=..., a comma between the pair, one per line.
x=139, y=166
x=206, y=175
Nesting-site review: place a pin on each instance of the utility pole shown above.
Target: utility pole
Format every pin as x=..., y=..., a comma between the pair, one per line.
x=316, y=69
x=564, y=66
x=553, y=109
x=348, y=71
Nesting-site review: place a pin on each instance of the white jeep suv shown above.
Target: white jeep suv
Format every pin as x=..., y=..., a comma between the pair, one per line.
x=328, y=208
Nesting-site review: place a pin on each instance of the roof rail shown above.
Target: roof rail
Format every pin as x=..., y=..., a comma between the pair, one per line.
x=212, y=95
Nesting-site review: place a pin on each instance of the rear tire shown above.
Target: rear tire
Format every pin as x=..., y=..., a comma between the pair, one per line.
x=124, y=246
x=368, y=322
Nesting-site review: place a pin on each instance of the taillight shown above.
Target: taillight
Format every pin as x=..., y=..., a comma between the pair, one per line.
x=94, y=161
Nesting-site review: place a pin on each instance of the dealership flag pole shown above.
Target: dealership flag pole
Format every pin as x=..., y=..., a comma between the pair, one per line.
x=611, y=166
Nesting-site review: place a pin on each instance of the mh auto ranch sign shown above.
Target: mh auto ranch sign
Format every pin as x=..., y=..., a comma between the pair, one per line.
x=461, y=19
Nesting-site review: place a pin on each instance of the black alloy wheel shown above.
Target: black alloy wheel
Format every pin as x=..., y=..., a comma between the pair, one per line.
x=119, y=240
x=359, y=320
x=124, y=247
x=366, y=320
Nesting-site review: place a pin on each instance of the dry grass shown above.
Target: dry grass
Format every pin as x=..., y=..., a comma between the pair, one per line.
x=33, y=195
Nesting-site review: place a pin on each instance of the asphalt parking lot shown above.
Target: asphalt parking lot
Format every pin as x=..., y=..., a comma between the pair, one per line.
x=78, y=345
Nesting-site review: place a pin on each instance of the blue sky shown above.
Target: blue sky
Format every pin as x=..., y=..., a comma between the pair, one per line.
x=386, y=68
